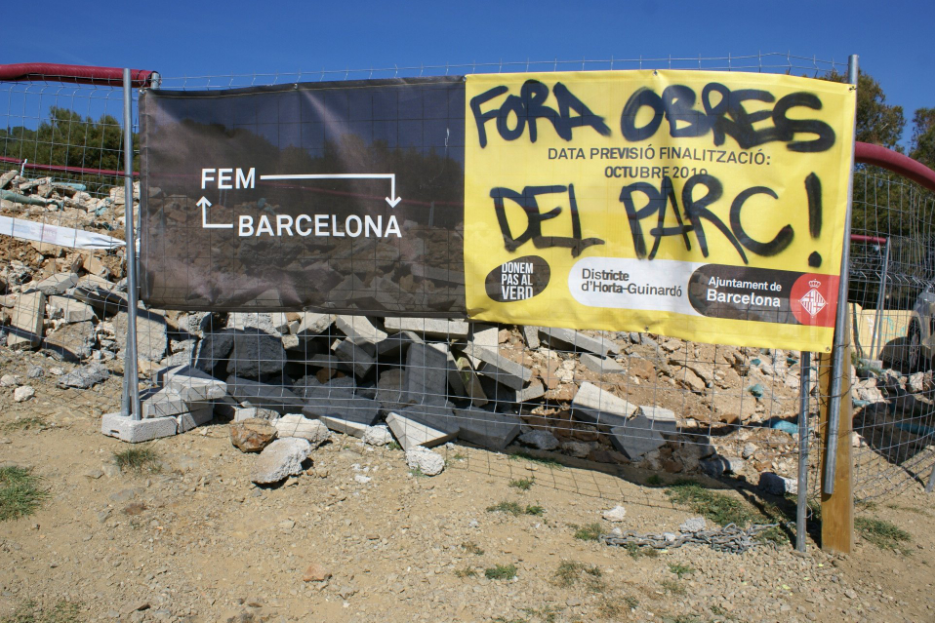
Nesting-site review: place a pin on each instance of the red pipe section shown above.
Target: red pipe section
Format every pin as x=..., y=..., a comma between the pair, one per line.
x=870, y=239
x=75, y=74
x=877, y=155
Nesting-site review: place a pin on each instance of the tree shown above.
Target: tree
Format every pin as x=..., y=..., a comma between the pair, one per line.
x=877, y=122
x=923, y=137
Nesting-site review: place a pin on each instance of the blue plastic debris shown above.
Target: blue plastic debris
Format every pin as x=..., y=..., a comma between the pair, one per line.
x=756, y=390
x=786, y=427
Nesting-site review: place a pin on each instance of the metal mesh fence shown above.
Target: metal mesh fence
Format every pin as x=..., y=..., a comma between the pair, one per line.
x=608, y=399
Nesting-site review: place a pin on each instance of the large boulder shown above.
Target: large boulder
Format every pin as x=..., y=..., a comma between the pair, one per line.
x=280, y=459
x=252, y=435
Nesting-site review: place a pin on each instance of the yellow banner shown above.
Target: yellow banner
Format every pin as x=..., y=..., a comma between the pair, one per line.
x=706, y=206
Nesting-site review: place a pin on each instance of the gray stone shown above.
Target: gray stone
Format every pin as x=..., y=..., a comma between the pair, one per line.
x=359, y=329
x=34, y=372
x=579, y=449
x=214, y=348
x=353, y=408
x=69, y=309
x=329, y=362
x=254, y=413
x=775, y=484
x=311, y=323
x=471, y=382
x=434, y=327
x=199, y=415
x=600, y=365
x=425, y=461
x=137, y=431
x=616, y=514
x=297, y=425
x=497, y=392
x=486, y=429
x=693, y=525
x=345, y=427
x=455, y=383
x=193, y=384
x=275, y=397
x=662, y=420
x=162, y=403
x=636, y=438
x=23, y=393
x=501, y=369
x=85, y=377
x=397, y=343
x=72, y=342
x=569, y=339
x=257, y=322
x=485, y=335
x=377, y=435
x=354, y=356
x=100, y=294
x=151, y=337
x=58, y=283
x=279, y=460
x=539, y=439
x=310, y=387
x=598, y=406
x=25, y=330
x=531, y=334
x=256, y=355
x=426, y=372
x=415, y=429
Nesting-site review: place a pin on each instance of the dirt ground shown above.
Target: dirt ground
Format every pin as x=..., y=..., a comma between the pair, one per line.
x=195, y=540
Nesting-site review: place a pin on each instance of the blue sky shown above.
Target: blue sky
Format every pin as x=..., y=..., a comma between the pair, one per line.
x=192, y=38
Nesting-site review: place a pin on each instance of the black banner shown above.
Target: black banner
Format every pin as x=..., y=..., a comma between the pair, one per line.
x=337, y=197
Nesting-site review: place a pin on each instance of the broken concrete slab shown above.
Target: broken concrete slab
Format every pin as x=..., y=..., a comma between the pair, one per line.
x=69, y=309
x=600, y=365
x=279, y=460
x=501, y=369
x=254, y=413
x=162, y=403
x=397, y=343
x=354, y=356
x=25, y=330
x=359, y=329
x=257, y=394
x=636, y=437
x=497, y=392
x=151, y=334
x=100, y=294
x=660, y=419
x=58, y=283
x=297, y=425
x=354, y=409
x=85, y=377
x=487, y=429
x=256, y=354
x=214, y=348
x=598, y=406
x=539, y=439
x=192, y=384
x=311, y=323
x=426, y=373
x=454, y=374
x=414, y=429
x=471, y=382
x=569, y=339
x=433, y=327
x=137, y=431
x=345, y=427
x=72, y=342
x=531, y=334
x=199, y=415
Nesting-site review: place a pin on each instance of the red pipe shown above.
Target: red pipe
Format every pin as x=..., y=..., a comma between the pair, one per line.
x=868, y=153
x=64, y=169
x=871, y=239
x=76, y=74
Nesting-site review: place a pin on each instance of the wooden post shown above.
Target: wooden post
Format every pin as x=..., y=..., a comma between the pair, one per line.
x=837, y=510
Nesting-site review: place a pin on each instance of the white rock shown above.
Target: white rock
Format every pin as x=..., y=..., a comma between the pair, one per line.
x=428, y=462
x=245, y=413
x=693, y=525
x=297, y=425
x=24, y=393
x=360, y=478
x=377, y=435
x=616, y=514
x=539, y=439
x=9, y=380
x=280, y=459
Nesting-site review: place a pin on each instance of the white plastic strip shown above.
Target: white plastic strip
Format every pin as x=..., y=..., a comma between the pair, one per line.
x=53, y=234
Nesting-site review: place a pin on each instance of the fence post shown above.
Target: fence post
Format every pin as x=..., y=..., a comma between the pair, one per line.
x=841, y=341
x=837, y=505
x=131, y=400
x=805, y=362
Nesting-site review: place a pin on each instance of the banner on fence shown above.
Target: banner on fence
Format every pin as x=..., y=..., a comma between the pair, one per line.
x=701, y=205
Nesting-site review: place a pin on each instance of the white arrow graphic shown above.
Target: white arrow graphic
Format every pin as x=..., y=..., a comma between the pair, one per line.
x=205, y=204
x=393, y=200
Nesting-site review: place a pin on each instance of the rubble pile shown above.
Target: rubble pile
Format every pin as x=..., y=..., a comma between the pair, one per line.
x=659, y=402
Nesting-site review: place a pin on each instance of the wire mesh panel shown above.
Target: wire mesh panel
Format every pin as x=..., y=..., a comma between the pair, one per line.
x=62, y=216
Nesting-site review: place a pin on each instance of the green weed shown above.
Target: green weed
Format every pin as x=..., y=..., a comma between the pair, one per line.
x=137, y=460
x=719, y=508
x=500, y=572
x=590, y=532
x=883, y=534
x=20, y=494
x=680, y=570
x=30, y=612
x=523, y=484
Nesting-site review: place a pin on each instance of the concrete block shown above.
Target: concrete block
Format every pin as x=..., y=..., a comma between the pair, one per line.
x=569, y=339
x=601, y=365
x=635, y=438
x=497, y=392
x=434, y=327
x=162, y=403
x=412, y=430
x=100, y=294
x=531, y=334
x=354, y=408
x=256, y=354
x=471, y=382
x=426, y=372
x=25, y=329
x=58, y=283
x=359, y=329
x=778, y=485
x=493, y=431
x=192, y=384
x=214, y=348
x=69, y=309
x=311, y=323
x=137, y=431
x=345, y=427
x=397, y=343
x=354, y=356
x=151, y=337
x=598, y=406
x=501, y=369
x=661, y=420
x=274, y=397
x=72, y=342
x=454, y=374
x=199, y=416
x=255, y=413
x=330, y=362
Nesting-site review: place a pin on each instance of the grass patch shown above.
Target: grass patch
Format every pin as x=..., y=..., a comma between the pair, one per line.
x=719, y=508
x=393, y=446
x=616, y=610
x=523, y=484
x=472, y=548
x=883, y=534
x=590, y=532
x=673, y=586
x=137, y=460
x=500, y=572
x=680, y=570
x=459, y=457
x=20, y=494
x=636, y=552
x=466, y=572
x=654, y=481
x=26, y=423
x=516, y=509
x=62, y=612
x=570, y=573
x=550, y=463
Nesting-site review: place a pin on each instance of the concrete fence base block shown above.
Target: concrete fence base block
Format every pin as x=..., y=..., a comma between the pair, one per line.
x=138, y=431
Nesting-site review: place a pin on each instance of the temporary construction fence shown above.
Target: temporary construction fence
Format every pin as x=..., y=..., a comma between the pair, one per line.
x=611, y=398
